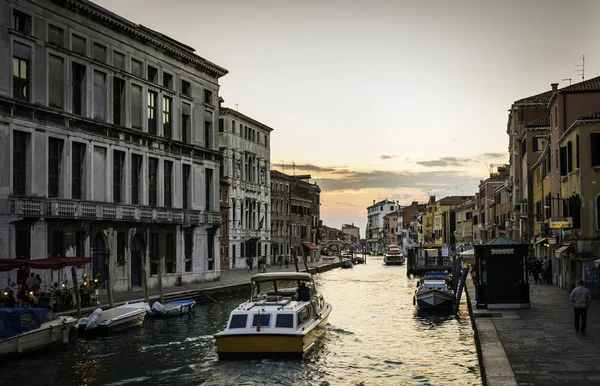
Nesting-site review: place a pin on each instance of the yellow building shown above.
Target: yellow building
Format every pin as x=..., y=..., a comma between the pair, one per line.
x=541, y=202
x=441, y=218
x=464, y=223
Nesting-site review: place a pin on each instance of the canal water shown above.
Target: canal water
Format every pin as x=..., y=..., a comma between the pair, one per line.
x=374, y=338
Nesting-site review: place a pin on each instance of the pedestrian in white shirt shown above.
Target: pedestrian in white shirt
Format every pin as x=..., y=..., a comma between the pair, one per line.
x=581, y=298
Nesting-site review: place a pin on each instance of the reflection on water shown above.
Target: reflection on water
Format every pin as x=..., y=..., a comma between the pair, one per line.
x=374, y=337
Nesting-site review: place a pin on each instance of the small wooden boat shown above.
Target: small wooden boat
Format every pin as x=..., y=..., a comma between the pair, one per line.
x=358, y=260
x=434, y=292
x=346, y=263
x=112, y=320
x=284, y=317
x=25, y=329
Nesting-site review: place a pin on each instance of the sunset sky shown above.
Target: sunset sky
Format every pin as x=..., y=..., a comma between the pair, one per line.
x=379, y=98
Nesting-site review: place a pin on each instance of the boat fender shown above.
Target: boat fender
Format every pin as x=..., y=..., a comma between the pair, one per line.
x=65, y=336
x=94, y=319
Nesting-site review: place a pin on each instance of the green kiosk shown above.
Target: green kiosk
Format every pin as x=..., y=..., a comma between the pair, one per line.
x=501, y=280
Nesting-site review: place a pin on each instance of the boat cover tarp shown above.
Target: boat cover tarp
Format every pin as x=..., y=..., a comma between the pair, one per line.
x=17, y=320
x=47, y=263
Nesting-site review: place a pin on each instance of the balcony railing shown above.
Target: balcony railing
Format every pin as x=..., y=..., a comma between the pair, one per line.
x=43, y=207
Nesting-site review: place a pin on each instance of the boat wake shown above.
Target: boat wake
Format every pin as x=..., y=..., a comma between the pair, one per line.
x=155, y=346
x=127, y=381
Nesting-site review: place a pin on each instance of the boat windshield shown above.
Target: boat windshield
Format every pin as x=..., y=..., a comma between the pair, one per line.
x=277, y=288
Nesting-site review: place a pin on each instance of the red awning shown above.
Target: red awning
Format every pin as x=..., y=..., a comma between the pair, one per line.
x=310, y=245
x=47, y=263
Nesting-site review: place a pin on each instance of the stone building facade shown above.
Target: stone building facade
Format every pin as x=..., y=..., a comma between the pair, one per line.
x=108, y=138
x=245, y=144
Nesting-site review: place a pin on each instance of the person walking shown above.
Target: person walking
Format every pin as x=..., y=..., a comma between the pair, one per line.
x=287, y=261
x=545, y=270
x=581, y=298
x=537, y=268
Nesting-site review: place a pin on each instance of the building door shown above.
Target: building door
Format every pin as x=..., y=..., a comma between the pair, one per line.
x=100, y=254
x=137, y=251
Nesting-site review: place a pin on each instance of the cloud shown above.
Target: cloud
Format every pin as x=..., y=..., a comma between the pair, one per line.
x=446, y=161
x=307, y=168
x=376, y=179
x=345, y=204
x=494, y=155
x=383, y=156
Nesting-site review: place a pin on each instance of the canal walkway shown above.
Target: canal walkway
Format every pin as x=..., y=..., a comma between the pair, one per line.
x=232, y=281
x=538, y=346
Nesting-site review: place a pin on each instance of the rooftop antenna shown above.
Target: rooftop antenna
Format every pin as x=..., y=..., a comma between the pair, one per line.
x=236, y=107
x=282, y=167
x=582, y=65
x=569, y=79
x=294, y=168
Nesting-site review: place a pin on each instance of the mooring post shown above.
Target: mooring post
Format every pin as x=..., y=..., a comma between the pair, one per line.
x=463, y=280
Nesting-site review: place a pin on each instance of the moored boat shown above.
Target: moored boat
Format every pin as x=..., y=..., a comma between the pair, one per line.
x=284, y=317
x=358, y=260
x=434, y=292
x=393, y=256
x=25, y=329
x=174, y=308
x=347, y=263
x=113, y=319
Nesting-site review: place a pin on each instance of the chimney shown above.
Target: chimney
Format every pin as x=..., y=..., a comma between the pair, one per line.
x=373, y=202
x=554, y=86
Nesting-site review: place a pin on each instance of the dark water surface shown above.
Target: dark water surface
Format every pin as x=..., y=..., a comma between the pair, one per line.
x=374, y=338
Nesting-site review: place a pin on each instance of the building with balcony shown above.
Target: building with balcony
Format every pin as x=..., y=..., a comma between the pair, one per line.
x=295, y=215
x=390, y=228
x=464, y=224
x=374, y=229
x=225, y=207
x=487, y=221
x=108, y=135
x=245, y=143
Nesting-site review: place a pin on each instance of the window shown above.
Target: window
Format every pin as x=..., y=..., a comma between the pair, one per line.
x=152, y=182
x=152, y=112
x=79, y=45
x=168, y=183
x=185, y=185
x=186, y=88
x=77, y=170
x=167, y=81
x=21, y=22
x=57, y=247
x=208, y=134
x=56, y=81
x=55, y=147
x=120, y=247
x=186, y=123
x=78, y=89
x=238, y=321
x=208, y=189
x=23, y=242
x=577, y=151
x=563, y=160
x=262, y=320
x=208, y=97
x=595, y=148
x=56, y=35
x=119, y=60
x=210, y=246
x=99, y=97
x=170, y=253
x=21, y=77
x=136, y=68
x=118, y=175
x=152, y=74
x=569, y=157
x=136, y=106
x=154, y=251
x=20, y=164
x=118, y=101
x=136, y=175
x=99, y=53
x=188, y=250
x=221, y=125
x=167, y=103
x=538, y=144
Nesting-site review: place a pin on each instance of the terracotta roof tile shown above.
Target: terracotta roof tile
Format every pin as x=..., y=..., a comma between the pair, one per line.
x=587, y=85
x=542, y=99
x=540, y=122
x=591, y=116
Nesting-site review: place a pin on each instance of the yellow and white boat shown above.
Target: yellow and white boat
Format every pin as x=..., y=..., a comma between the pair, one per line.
x=284, y=317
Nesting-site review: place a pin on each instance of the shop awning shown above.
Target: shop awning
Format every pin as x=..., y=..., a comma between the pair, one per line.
x=310, y=245
x=541, y=241
x=562, y=250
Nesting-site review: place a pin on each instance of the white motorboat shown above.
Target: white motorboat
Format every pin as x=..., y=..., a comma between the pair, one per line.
x=284, y=317
x=393, y=256
x=434, y=293
x=112, y=319
x=24, y=329
x=174, y=308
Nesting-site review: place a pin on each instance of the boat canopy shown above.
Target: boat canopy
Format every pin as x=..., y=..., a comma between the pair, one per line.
x=274, y=276
x=435, y=273
x=17, y=320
